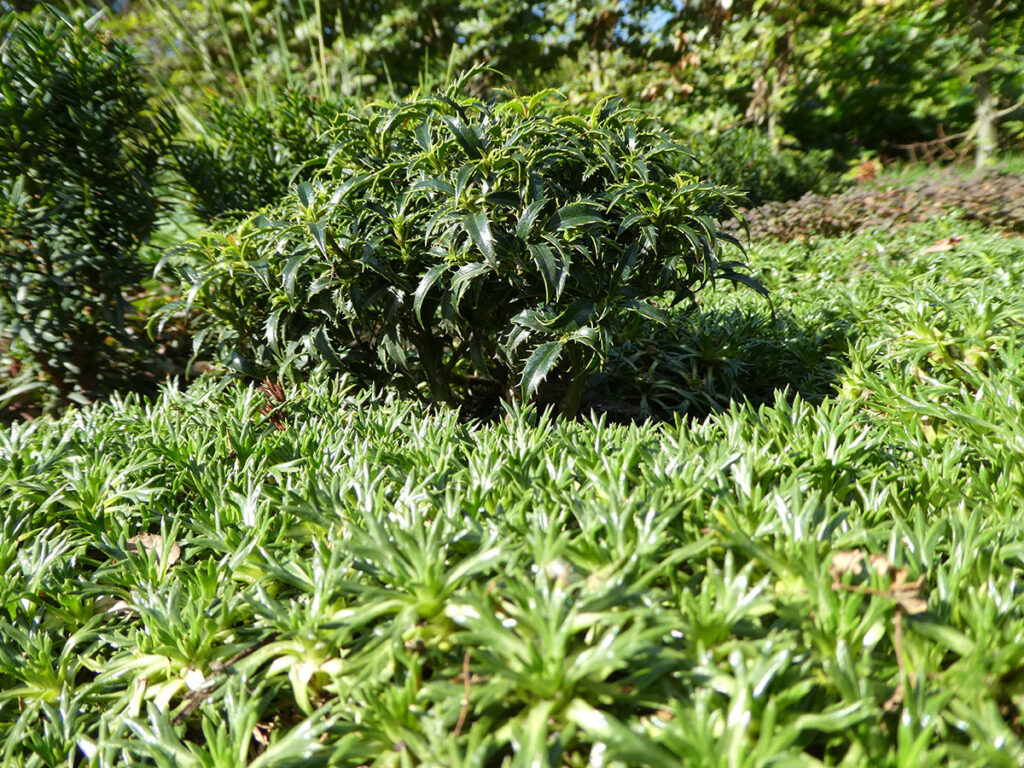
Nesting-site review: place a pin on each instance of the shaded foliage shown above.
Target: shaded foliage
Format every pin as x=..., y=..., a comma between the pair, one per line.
x=249, y=155
x=745, y=159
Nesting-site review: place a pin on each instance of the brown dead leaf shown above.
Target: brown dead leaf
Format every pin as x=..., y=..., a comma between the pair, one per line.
x=467, y=681
x=880, y=564
x=908, y=593
x=846, y=561
x=868, y=169
x=943, y=245
x=274, y=410
x=852, y=561
x=147, y=541
x=930, y=435
x=261, y=734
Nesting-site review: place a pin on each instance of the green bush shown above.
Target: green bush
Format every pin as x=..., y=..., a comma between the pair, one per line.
x=744, y=158
x=467, y=249
x=249, y=155
x=79, y=153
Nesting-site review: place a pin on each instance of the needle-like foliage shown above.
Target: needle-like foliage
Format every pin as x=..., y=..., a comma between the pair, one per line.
x=79, y=153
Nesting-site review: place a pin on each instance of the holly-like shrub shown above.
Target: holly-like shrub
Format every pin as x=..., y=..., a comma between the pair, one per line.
x=79, y=153
x=464, y=249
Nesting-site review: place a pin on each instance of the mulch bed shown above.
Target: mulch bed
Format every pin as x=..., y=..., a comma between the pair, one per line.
x=995, y=199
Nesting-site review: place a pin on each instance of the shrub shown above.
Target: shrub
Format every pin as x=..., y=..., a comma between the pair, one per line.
x=79, y=150
x=249, y=155
x=468, y=249
x=745, y=159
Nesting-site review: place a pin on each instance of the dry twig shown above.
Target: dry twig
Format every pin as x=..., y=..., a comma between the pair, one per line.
x=464, y=712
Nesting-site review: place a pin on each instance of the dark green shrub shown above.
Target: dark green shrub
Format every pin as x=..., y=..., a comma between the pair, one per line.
x=744, y=158
x=467, y=249
x=249, y=155
x=79, y=150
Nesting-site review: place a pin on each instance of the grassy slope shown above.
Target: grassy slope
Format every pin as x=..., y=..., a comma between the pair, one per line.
x=633, y=594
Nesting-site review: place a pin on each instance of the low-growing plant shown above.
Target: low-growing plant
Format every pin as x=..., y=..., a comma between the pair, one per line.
x=79, y=153
x=468, y=249
x=315, y=574
x=711, y=360
x=249, y=155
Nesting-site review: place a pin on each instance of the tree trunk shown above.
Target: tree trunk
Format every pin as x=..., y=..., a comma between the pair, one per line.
x=984, y=130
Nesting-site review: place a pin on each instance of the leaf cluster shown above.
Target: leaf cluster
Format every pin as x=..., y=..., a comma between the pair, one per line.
x=451, y=244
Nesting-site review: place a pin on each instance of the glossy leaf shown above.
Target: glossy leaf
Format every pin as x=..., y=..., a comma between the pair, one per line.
x=429, y=279
x=479, y=230
x=540, y=363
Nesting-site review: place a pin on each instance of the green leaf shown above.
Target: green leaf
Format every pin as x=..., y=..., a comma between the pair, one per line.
x=834, y=719
x=502, y=199
x=423, y=136
x=647, y=310
x=650, y=235
x=747, y=280
x=479, y=230
x=434, y=185
x=725, y=237
x=462, y=180
x=430, y=277
x=626, y=263
x=316, y=228
x=350, y=186
x=291, y=269
x=627, y=747
x=942, y=634
x=528, y=216
x=545, y=261
x=630, y=220
x=516, y=338
x=534, y=320
x=323, y=346
x=573, y=215
x=580, y=312
x=464, y=135
x=539, y=365
x=271, y=326
x=466, y=275
x=391, y=351
x=305, y=193
x=588, y=336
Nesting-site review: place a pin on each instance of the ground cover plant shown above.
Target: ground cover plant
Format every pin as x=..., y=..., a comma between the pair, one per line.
x=307, y=573
x=719, y=531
